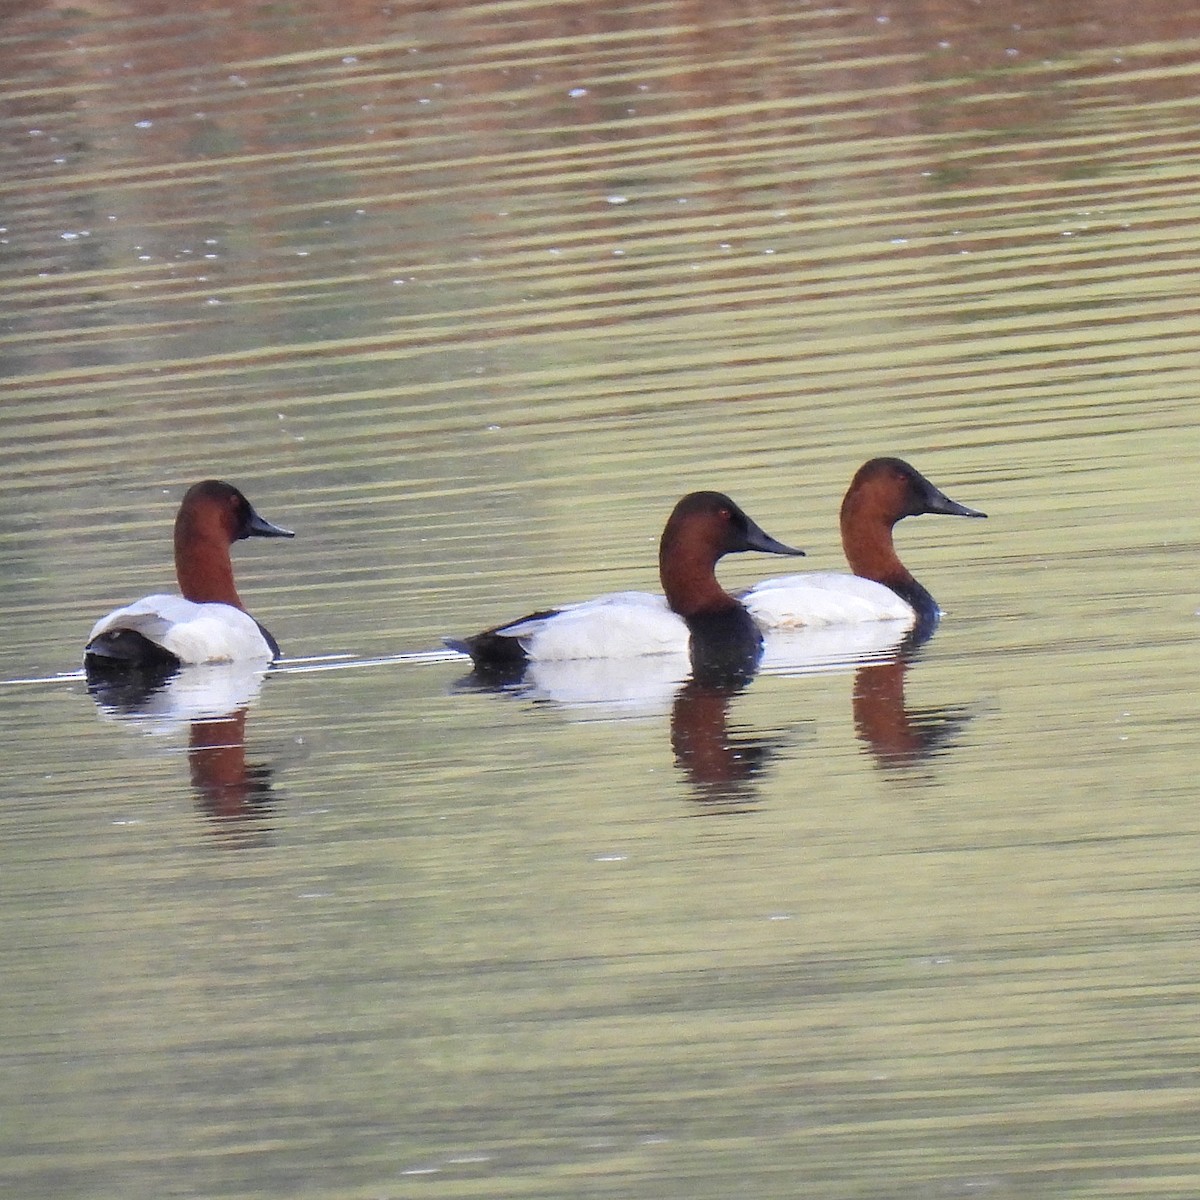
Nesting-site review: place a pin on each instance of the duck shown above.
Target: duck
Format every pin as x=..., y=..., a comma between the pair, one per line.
x=695, y=610
x=207, y=623
x=882, y=492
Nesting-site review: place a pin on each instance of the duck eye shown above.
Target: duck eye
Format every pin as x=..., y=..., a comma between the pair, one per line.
x=725, y=514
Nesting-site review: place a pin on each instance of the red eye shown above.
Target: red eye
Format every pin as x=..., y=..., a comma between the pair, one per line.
x=725, y=514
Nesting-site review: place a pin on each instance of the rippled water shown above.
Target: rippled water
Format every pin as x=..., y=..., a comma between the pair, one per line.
x=468, y=296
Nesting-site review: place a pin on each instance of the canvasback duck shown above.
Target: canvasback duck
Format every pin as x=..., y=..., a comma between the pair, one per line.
x=208, y=623
x=703, y=527
x=882, y=492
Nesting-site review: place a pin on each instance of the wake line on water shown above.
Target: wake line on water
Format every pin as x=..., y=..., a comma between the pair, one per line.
x=286, y=666
x=343, y=662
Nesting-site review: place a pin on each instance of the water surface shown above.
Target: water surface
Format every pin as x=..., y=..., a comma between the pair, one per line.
x=468, y=297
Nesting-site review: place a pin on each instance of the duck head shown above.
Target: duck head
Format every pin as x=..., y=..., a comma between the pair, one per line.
x=882, y=492
x=212, y=516
x=701, y=530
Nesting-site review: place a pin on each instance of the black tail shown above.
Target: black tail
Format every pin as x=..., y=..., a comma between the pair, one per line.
x=125, y=650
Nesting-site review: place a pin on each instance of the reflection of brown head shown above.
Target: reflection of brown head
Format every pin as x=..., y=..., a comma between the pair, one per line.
x=226, y=787
x=897, y=735
x=719, y=765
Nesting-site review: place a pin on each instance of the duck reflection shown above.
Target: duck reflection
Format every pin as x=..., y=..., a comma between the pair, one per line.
x=896, y=735
x=722, y=768
x=213, y=701
x=228, y=788
x=695, y=690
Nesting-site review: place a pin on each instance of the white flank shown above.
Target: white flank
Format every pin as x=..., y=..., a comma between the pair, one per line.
x=194, y=633
x=823, y=598
x=619, y=625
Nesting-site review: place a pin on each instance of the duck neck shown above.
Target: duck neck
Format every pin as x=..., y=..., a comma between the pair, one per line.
x=871, y=553
x=867, y=541
x=203, y=566
x=689, y=580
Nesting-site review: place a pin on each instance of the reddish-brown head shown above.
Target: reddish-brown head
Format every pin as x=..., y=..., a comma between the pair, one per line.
x=702, y=529
x=882, y=492
x=212, y=516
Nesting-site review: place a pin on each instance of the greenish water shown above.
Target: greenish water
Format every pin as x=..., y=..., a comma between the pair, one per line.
x=468, y=297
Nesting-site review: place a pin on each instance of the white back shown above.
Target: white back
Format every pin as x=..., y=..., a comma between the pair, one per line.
x=194, y=633
x=823, y=598
x=618, y=625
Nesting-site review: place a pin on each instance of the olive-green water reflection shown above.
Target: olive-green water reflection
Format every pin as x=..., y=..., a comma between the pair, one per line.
x=471, y=294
